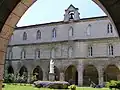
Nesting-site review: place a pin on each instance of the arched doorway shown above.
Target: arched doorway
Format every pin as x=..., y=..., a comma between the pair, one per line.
x=111, y=73
x=71, y=75
x=90, y=75
x=10, y=70
x=23, y=73
x=38, y=72
x=57, y=73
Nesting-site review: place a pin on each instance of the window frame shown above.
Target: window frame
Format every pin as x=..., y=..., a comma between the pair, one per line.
x=71, y=32
x=10, y=54
x=88, y=31
x=37, y=54
x=52, y=53
x=38, y=35
x=54, y=33
x=90, y=50
x=23, y=54
x=110, y=50
x=24, y=36
x=70, y=53
x=109, y=28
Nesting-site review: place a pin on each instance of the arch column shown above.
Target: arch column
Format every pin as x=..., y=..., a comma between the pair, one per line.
x=62, y=76
x=100, y=75
x=62, y=73
x=29, y=75
x=45, y=75
x=5, y=69
x=80, y=74
x=3, y=47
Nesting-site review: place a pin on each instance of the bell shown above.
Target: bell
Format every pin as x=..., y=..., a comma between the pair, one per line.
x=71, y=15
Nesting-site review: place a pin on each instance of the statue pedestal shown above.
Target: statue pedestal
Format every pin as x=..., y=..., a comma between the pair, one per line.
x=51, y=77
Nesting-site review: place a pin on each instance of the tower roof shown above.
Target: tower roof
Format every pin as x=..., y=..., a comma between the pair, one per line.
x=71, y=7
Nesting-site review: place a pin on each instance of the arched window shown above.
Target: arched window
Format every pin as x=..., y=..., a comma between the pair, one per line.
x=110, y=49
x=90, y=51
x=109, y=28
x=23, y=54
x=54, y=33
x=37, y=53
x=38, y=36
x=70, y=32
x=24, y=36
x=52, y=53
x=10, y=54
x=88, y=32
x=70, y=52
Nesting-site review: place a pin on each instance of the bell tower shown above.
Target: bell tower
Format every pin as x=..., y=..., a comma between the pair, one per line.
x=71, y=14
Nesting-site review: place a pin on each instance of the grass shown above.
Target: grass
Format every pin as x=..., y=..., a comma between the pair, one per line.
x=19, y=87
x=29, y=87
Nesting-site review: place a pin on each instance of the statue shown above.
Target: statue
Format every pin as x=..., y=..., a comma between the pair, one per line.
x=51, y=66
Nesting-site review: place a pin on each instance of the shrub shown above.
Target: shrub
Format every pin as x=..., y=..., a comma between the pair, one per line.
x=3, y=85
x=73, y=87
x=9, y=78
x=113, y=84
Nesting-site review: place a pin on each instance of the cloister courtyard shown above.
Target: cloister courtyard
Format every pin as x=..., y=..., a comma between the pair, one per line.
x=30, y=87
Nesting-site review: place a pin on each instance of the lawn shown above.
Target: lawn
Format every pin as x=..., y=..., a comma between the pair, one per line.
x=28, y=87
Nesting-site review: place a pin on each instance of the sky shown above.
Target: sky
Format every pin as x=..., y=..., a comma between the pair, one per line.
x=45, y=11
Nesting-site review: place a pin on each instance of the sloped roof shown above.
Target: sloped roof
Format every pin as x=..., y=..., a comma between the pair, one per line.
x=71, y=6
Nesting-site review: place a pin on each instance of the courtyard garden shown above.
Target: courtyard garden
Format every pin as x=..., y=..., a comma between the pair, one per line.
x=20, y=83
x=112, y=85
x=30, y=87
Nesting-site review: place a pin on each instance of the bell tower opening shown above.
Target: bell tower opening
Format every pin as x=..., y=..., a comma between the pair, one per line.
x=71, y=14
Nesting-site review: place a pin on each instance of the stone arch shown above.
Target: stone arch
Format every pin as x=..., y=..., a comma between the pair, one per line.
x=71, y=75
x=90, y=75
x=111, y=72
x=23, y=70
x=12, y=12
x=39, y=73
x=10, y=70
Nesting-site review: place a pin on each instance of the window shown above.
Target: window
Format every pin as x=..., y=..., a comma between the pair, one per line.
x=10, y=54
x=23, y=54
x=53, y=53
x=54, y=33
x=38, y=36
x=70, y=52
x=110, y=49
x=24, y=36
x=88, y=30
x=70, y=32
x=109, y=28
x=37, y=53
x=90, y=51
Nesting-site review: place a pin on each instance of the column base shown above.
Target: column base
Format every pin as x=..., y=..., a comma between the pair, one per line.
x=51, y=77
